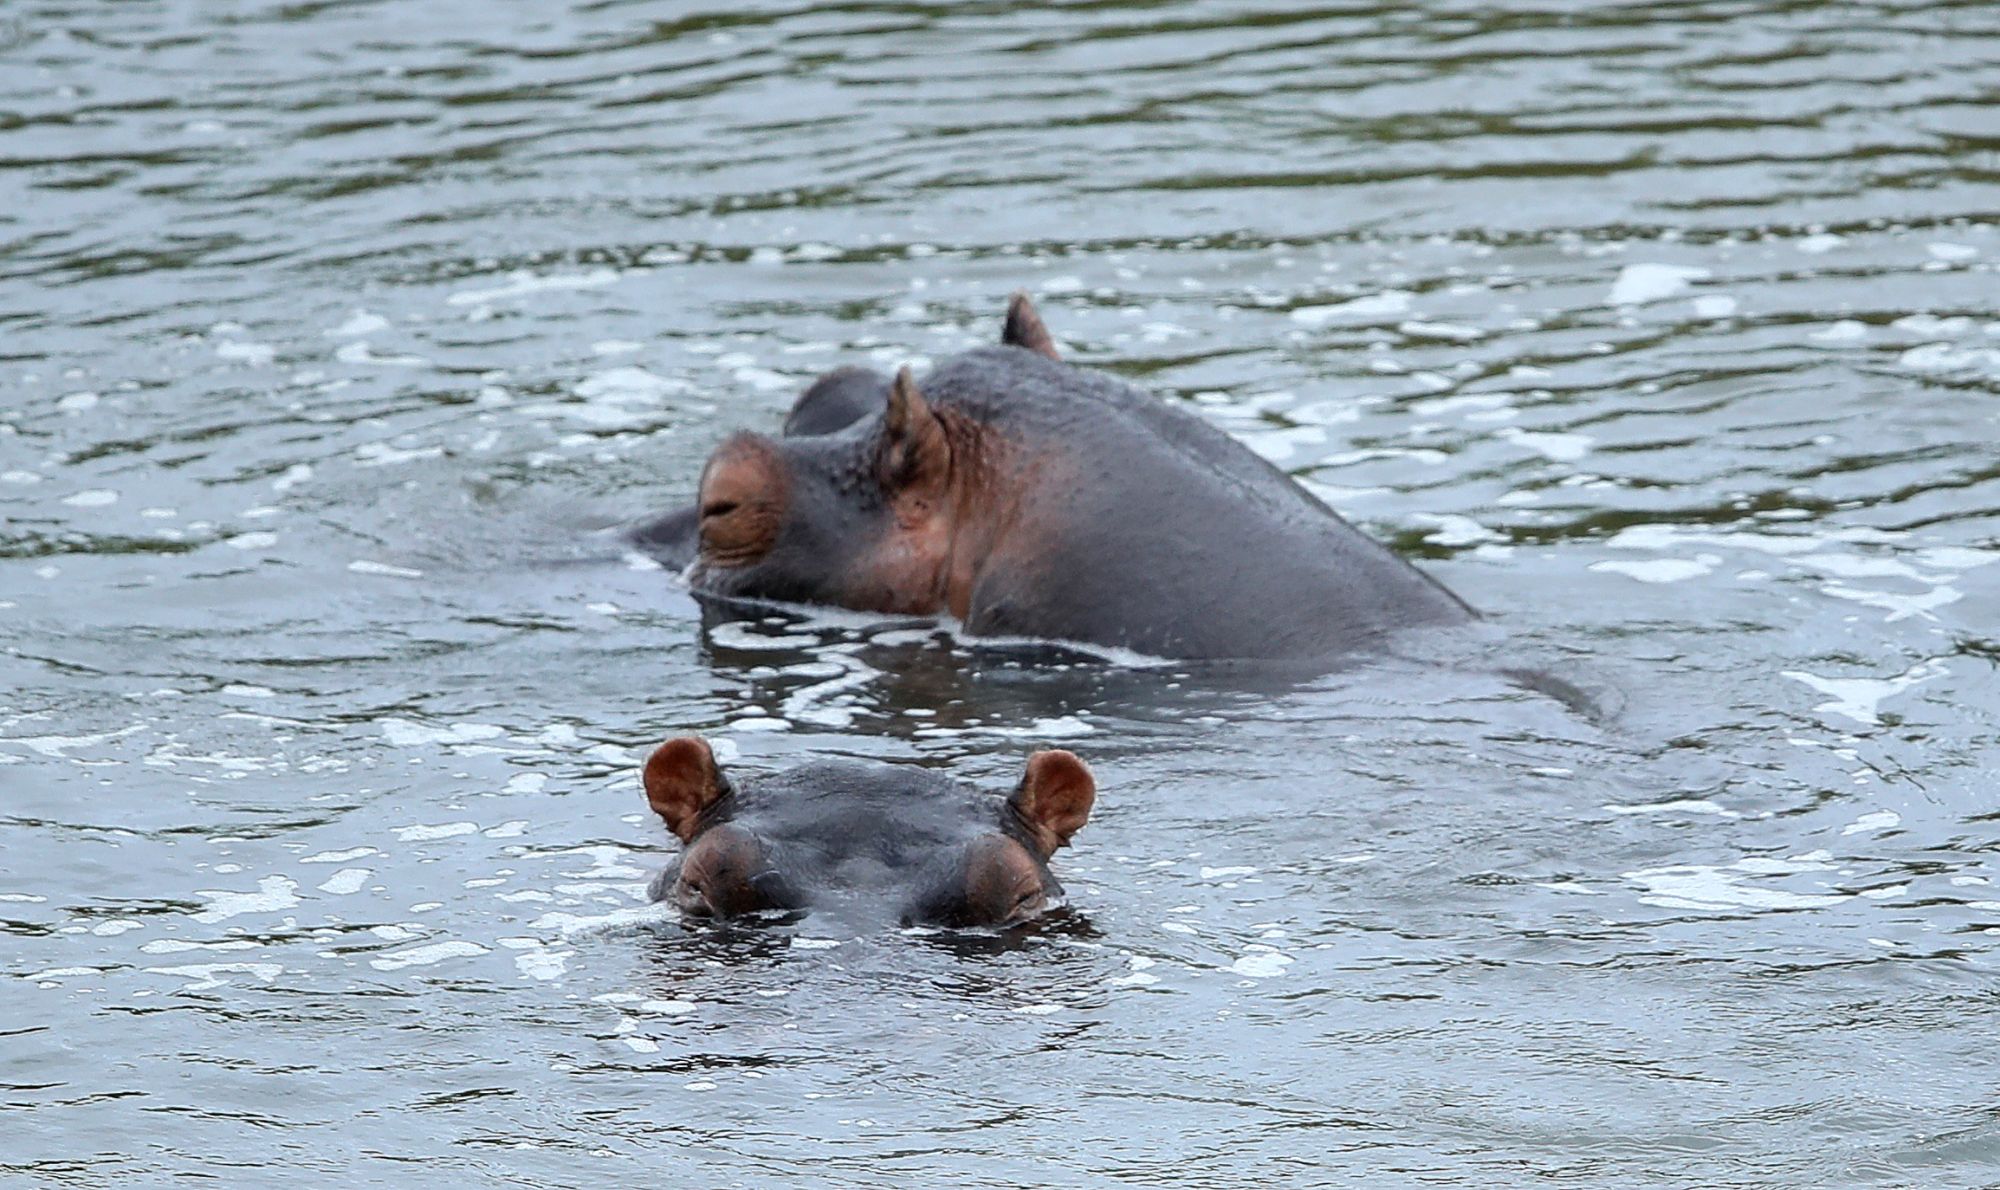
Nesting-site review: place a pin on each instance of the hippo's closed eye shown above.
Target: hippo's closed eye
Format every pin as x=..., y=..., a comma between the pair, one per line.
x=742, y=502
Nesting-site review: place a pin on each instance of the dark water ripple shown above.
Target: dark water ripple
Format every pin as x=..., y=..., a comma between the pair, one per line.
x=1664, y=332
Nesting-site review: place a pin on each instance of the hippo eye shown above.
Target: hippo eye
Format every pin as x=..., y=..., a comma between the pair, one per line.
x=733, y=532
x=1027, y=904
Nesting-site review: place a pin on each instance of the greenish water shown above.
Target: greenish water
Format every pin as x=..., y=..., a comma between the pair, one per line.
x=330, y=334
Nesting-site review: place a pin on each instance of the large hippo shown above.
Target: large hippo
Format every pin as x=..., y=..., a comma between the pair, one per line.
x=891, y=839
x=1030, y=497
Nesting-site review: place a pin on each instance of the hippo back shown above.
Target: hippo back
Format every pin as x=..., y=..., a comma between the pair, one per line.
x=1142, y=525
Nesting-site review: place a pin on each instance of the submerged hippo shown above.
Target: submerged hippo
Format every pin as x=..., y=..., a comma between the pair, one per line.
x=884, y=838
x=1029, y=497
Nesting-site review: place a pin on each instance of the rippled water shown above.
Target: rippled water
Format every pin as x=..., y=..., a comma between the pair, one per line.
x=1664, y=333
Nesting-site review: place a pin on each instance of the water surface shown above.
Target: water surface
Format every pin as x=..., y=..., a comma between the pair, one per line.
x=1664, y=333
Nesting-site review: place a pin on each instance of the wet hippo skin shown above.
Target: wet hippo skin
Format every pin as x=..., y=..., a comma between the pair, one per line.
x=876, y=840
x=1029, y=497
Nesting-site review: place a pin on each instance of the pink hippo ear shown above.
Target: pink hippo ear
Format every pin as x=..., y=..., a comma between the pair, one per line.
x=1024, y=328
x=915, y=455
x=1054, y=799
x=682, y=780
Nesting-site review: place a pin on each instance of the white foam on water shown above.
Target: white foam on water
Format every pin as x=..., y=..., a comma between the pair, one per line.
x=1899, y=607
x=542, y=964
x=203, y=976
x=616, y=398
x=1951, y=253
x=1676, y=806
x=1730, y=888
x=1665, y=537
x=1875, y=820
x=1224, y=873
x=1847, y=330
x=1638, y=284
x=92, y=498
x=361, y=322
x=1860, y=699
x=1262, y=962
x=364, y=566
x=444, y=830
x=179, y=945
x=569, y=925
x=1557, y=447
x=1930, y=326
x=339, y=857
x=63, y=973
x=605, y=863
x=1818, y=243
x=254, y=354
x=764, y=379
x=1947, y=357
x=358, y=352
x=55, y=746
x=425, y=956
x=384, y=454
x=345, y=881
x=251, y=541
x=273, y=893
x=1661, y=570
x=1455, y=530
x=1719, y=305
x=406, y=733
x=522, y=282
x=1450, y=331
x=1380, y=306
x=814, y=703
x=734, y=635
x=757, y=723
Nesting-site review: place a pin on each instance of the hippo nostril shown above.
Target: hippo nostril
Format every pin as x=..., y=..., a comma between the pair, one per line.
x=719, y=508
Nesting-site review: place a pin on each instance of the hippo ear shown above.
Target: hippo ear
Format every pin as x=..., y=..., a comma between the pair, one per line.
x=1024, y=328
x=683, y=780
x=1054, y=799
x=915, y=454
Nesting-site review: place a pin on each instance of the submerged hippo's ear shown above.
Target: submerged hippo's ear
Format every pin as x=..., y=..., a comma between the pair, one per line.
x=1024, y=328
x=1054, y=799
x=915, y=454
x=682, y=780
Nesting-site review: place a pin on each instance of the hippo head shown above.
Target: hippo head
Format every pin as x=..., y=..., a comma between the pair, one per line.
x=859, y=503
x=858, y=518
x=891, y=841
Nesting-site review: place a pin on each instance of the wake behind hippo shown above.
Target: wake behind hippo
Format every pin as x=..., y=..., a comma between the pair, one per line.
x=1030, y=497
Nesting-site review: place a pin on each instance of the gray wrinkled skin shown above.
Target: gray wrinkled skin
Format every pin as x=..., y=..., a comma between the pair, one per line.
x=1150, y=529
